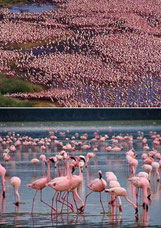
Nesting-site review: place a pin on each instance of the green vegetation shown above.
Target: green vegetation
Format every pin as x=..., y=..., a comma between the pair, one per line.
x=11, y=102
x=5, y=3
x=14, y=85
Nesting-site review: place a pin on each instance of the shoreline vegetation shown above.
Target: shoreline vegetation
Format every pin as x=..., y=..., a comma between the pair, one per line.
x=7, y=3
x=16, y=85
x=10, y=3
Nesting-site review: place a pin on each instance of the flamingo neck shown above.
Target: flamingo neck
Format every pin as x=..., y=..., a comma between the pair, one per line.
x=80, y=171
x=3, y=183
x=48, y=176
x=69, y=174
x=134, y=206
x=18, y=195
x=145, y=200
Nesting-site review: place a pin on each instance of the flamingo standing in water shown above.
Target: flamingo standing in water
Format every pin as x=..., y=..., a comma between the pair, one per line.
x=61, y=184
x=40, y=184
x=76, y=181
x=89, y=156
x=119, y=191
x=97, y=185
x=143, y=183
x=16, y=181
x=112, y=182
x=2, y=174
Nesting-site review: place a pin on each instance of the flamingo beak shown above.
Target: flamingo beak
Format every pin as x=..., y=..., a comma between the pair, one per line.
x=82, y=159
x=136, y=211
x=4, y=194
x=71, y=157
x=73, y=169
x=52, y=160
x=17, y=204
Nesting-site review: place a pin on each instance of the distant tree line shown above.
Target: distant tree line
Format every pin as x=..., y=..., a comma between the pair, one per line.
x=89, y=114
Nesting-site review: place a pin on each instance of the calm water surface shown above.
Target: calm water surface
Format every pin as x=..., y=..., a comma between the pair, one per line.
x=32, y=8
x=21, y=166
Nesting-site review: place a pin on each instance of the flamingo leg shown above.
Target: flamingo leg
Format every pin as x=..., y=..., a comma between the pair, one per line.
x=75, y=201
x=137, y=196
x=65, y=202
x=62, y=203
x=33, y=201
x=57, y=196
x=81, y=209
x=112, y=201
x=102, y=203
x=53, y=201
x=45, y=202
x=87, y=197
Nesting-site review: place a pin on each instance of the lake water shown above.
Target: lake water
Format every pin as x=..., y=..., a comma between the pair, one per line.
x=20, y=165
x=32, y=8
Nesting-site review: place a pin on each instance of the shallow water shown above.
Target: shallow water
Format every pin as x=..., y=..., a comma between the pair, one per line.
x=21, y=166
x=32, y=8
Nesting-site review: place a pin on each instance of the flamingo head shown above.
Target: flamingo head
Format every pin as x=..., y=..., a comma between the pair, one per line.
x=100, y=174
x=82, y=158
x=51, y=160
x=72, y=157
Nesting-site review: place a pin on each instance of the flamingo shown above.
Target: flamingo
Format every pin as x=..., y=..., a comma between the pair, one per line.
x=119, y=191
x=89, y=156
x=97, y=185
x=112, y=182
x=148, y=169
x=143, y=183
x=16, y=181
x=76, y=181
x=6, y=157
x=40, y=184
x=43, y=158
x=61, y=184
x=2, y=174
x=133, y=163
x=155, y=167
x=35, y=161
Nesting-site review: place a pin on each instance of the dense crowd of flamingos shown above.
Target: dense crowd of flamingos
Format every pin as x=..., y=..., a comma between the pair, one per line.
x=86, y=53
x=65, y=155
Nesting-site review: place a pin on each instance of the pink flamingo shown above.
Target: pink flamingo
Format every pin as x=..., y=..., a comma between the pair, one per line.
x=119, y=191
x=112, y=182
x=16, y=181
x=155, y=167
x=143, y=183
x=148, y=169
x=6, y=157
x=2, y=174
x=89, y=156
x=35, y=161
x=76, y=181
x=133, y=163
x=61, y=184
x=43, y=158
x=40, y=184
x=97, y=185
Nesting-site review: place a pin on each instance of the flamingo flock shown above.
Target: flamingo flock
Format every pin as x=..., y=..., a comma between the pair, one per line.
x=85, y=54
x=65, y=161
